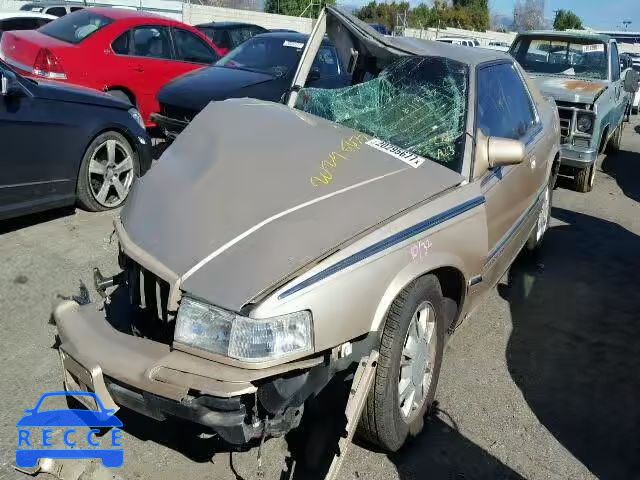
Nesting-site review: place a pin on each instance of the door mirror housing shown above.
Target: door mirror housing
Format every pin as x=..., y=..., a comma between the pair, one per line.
x=630, y=82
x=9, y=84
x=493, y=152
x=504, y=151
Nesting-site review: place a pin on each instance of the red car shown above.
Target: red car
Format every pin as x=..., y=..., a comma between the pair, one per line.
x=126, y=53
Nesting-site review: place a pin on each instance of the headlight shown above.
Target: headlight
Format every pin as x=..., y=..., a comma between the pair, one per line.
x=251, y=340
x=584, y=123
x=136, y=116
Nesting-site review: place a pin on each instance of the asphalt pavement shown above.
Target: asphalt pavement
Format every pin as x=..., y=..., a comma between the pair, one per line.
x=543, y=381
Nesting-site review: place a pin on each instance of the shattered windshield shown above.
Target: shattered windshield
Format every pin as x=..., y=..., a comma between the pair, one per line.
x=574, y=58
x=417, y=103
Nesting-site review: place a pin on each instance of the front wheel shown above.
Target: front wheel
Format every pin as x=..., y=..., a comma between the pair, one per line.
x=535, y=240
x=408, y=367
x=584, y=178
x=108, y=169
x=616, y=140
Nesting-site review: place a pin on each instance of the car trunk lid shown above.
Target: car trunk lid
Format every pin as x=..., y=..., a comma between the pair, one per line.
x=21, y=48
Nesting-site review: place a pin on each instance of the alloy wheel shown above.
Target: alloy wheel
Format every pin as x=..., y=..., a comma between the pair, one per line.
x=543, y=216
x=417, y=362
x=110, y=173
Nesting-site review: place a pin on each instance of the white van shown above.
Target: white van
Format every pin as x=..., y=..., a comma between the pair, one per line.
x=467, y=42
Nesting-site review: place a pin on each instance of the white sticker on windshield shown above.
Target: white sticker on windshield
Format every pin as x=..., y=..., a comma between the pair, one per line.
x=287, y=43
x=407, y=157
x=596, y=47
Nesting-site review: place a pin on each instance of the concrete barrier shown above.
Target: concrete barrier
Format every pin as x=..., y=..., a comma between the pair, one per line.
x=194, y=14
x=483, y=37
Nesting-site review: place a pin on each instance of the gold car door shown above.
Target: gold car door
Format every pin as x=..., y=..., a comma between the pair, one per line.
x=505, y=109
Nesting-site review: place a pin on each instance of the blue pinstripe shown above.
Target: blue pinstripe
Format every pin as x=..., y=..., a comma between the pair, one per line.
x=385, y=244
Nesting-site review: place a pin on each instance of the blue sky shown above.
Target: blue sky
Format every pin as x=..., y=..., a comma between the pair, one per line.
x=594, y=13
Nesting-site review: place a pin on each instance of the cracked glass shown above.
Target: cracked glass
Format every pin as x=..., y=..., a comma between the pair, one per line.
x=417, y=103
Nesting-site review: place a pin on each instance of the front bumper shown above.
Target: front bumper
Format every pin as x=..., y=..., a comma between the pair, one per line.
x=576, y=157
x=151, y=378
x=170, y=126
x=143, y=149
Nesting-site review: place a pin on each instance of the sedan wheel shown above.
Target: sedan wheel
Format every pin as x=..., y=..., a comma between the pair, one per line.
x=418, y=359
x=543, y=216
x=108, y=169
x=406, y=378
x=110, y=173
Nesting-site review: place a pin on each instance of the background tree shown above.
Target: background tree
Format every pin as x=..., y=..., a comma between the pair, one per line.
x=566, y=19
x=468, y=14
x=295, y=7
x=383, y=13
x=528, y=15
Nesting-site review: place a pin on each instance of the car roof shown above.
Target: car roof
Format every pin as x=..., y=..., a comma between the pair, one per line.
x=43, y=5
x=291, y=36
x=25, y=13
x=387, y=48
x=564, y=34
x=126, y=14
x=455, y=38
x=227, y=25
x=469, y=56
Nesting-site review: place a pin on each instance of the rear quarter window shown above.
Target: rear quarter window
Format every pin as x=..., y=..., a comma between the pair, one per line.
x=76, y=27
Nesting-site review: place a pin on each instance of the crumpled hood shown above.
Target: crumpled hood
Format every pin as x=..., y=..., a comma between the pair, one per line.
x=567, y=89
x=252, y=191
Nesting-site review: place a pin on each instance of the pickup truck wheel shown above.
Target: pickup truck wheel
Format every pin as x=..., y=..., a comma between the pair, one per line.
x=535, y=240
x=107, y=171
x=584, y=179
x=408, y=367
x=616, y=140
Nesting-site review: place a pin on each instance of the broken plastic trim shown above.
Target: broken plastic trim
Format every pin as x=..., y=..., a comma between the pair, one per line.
x=417, y=103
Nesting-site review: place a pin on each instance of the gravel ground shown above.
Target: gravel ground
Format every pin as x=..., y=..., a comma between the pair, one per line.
x=542, y=382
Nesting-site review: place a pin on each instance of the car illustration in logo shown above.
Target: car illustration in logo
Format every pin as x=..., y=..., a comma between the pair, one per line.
x=102, y=417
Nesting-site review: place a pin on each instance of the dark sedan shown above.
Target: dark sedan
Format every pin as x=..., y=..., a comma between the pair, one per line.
x=62, y=145
x=261, y=68
x=228, y=35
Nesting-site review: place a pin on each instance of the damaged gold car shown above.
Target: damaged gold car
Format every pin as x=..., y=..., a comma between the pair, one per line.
x=275, y=245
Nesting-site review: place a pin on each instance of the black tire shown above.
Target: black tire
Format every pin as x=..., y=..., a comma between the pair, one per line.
x=584, y=178
x=381, y=422
x=534, y=243
x=122, y=95
x=615, y=141
x=86, y=197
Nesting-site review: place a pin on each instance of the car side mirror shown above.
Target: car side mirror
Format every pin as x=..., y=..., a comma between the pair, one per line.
x=492, y=152
x=9, y=84
x=504, y=151
x=630, y=82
